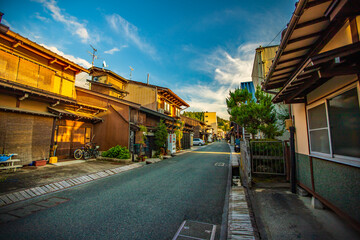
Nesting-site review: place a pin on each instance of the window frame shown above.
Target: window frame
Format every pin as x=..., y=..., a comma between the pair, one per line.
x=353, y=161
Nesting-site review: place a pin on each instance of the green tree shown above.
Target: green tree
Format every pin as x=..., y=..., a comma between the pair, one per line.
x=161, y=135
x=253, y=114
x=223, y=124
x=179, y=133
x=194, y=115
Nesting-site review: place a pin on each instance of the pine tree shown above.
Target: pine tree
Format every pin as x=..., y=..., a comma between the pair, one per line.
x=253, y=114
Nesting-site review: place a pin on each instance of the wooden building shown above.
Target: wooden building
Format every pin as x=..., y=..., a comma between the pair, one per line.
x=34, y=83
x=317, y=70
x=123, y=118
x=156, y=98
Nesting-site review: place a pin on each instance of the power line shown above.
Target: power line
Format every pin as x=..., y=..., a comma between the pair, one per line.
x=276, y=36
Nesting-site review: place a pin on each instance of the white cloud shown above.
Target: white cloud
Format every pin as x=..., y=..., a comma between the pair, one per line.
x=74, y=26
x=6, y=22
x=41, y=18
x=80, y=80
x=115, y=49
x=76, y=60
x=130, y=32
x=227, y=72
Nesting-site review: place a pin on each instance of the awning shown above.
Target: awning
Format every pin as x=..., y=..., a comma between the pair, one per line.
x=76, y=115
x=26, y=111
x=298, y=67
x=155, y=113
x=318, y=70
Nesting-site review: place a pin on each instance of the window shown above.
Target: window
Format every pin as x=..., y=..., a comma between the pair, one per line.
x=344, y=118
x=177, y=112
x=167, y=106
x=334, y=125
x=318, y=128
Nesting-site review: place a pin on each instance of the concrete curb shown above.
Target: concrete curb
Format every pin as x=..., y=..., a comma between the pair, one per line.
x=33, y=192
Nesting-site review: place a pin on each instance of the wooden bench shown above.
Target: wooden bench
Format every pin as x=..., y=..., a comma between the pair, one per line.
x=9, y=164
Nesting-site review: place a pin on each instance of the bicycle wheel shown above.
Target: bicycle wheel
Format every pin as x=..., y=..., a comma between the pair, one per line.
x=86, y=154
x=96, y=153
x=78, y=154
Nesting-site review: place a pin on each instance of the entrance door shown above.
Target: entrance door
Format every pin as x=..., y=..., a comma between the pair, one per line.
x=71, y=138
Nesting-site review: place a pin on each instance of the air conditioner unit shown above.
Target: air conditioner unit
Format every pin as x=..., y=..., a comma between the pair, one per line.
x=161, y=110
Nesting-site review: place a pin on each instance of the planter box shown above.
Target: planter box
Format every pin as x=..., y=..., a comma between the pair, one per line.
x=40, y=163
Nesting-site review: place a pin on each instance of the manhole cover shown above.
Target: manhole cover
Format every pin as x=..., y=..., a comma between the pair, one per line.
x=219, y=164
x=195, y=230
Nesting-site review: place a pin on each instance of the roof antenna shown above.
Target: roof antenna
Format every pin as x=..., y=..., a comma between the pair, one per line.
x=93, y=54
x=104, y=65
x=131, y=69
x=147, y=79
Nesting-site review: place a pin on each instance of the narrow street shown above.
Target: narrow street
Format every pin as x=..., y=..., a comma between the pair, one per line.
x=145, y=203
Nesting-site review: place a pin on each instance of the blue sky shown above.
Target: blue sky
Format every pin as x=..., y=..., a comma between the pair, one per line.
x=199, y=49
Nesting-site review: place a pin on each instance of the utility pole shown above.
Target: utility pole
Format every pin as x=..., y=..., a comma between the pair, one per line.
x=93, y=54
x=131, y=69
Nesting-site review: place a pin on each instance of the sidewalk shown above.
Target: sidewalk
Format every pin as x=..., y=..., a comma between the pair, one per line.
x=279, y=214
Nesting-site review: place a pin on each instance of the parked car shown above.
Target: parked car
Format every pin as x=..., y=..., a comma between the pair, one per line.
x=198, y=142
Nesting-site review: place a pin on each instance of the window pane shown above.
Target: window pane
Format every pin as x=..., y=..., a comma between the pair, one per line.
x=344, y=116
x=317, y=117
x=320, y=141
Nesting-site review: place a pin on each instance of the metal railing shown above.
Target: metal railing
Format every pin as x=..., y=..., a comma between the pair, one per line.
x=268, y=157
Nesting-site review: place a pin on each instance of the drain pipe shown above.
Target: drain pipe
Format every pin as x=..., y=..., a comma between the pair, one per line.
x=292, y=160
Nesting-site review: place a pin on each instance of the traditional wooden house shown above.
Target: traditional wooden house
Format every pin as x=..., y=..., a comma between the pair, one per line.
x=197, y=128
x=156, y=98
x=317, y=71
x=188, y=131
x=37, y=96
x=124, y=117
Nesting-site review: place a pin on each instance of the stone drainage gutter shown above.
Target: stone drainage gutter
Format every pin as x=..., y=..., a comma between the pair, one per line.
x=239, y=221
x=61, y=185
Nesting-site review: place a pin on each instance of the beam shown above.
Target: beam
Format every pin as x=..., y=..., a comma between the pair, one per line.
x=280, y=75
x=312, y=22
x=276, y=75
x=16, y=44
x=279, y=80
x=26, y=95
x=316, y=34
x=67, y=67
x=315, y=3
x=344, y=70
x=291, y=59
x=301, y=100
x=53, y=61
x=287, y=67
x=304, y=87
x=297, y=50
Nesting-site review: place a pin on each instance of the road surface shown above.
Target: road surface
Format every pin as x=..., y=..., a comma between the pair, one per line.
x=149, y=202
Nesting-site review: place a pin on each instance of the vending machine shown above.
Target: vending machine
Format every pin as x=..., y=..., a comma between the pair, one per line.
x=172, y=143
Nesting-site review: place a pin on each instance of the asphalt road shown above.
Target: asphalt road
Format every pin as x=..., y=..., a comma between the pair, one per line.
x=149, y=202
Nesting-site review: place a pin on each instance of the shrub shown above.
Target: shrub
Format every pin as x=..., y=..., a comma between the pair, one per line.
x=117, y=152
x=161, y=136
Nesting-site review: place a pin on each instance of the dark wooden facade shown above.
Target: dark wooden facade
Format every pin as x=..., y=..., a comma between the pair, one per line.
x=115, y=127
x=27, y=135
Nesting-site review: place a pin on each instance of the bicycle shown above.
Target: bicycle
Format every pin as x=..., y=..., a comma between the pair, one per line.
x=88, y=151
